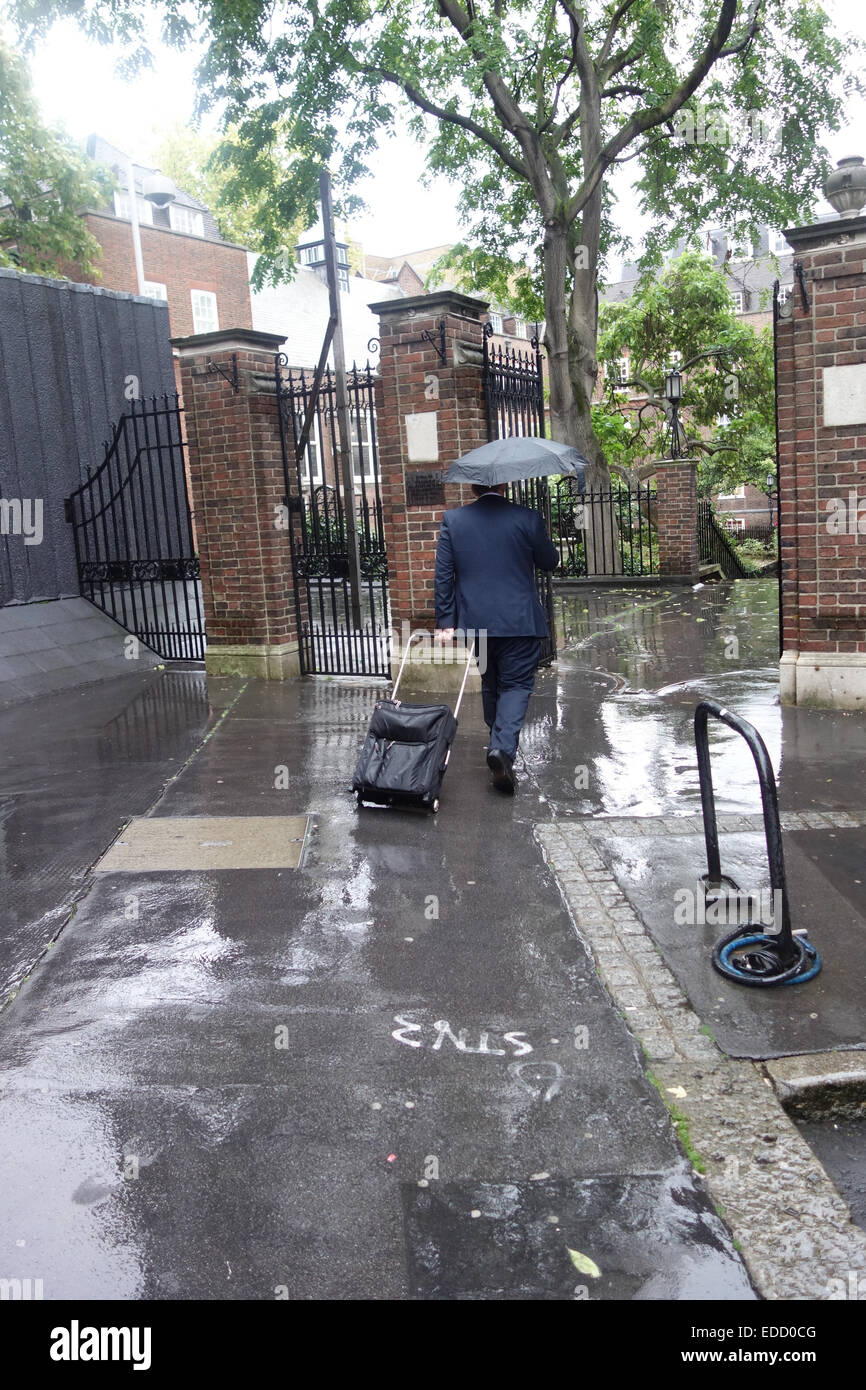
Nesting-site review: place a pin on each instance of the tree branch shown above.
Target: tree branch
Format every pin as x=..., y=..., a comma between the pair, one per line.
x=657, y=115
x=572, y=63
x=535, y=169
x=619, y=13
x=451, y=117
x=751, y=30
x=624, y=91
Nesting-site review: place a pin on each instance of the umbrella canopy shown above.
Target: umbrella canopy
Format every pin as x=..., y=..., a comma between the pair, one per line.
x=510, y=460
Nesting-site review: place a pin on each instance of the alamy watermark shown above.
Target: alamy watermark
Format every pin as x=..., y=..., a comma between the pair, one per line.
x=22, y=516
x=710, y=125
x=740, y=908
x=846, y=518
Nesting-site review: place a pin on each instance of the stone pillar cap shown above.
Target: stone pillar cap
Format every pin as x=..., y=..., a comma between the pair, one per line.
x=441, y=302
x=228, y=340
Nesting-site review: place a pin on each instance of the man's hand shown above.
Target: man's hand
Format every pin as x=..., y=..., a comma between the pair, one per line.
x=443, y=634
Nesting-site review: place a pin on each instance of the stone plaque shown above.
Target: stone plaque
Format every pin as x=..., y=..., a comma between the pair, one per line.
x=845, y=395
x=422, y=437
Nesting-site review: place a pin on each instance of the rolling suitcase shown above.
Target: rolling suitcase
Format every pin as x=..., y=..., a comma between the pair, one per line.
x=406, y=750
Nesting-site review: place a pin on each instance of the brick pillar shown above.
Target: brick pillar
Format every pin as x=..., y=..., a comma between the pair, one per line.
x=429, y=413
x=677, y=513
x=237, y=483
x=821, y=391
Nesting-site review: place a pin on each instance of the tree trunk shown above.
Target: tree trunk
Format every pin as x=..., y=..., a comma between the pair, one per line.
x=570, y=339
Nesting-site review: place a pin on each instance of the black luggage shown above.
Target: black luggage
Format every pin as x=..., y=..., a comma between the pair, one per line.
x=406, y=751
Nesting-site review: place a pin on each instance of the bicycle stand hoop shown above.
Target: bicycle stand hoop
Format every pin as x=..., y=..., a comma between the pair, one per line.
x=749, y=955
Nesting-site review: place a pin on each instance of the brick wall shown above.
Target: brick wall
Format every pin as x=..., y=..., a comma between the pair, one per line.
x=677, y=513
x=413, y=381
x=237, y=480
x=822, y=468
x=181, y=263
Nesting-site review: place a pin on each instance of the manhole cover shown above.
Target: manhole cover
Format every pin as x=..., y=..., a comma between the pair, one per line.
x=207, y=842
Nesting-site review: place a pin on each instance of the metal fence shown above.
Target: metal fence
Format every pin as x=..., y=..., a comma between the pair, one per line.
x=765, y=533
x=622, y=520
x=330, y=643
x=715, y=545
x=132, y=526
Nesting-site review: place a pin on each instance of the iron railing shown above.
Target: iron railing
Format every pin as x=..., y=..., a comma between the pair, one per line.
x=133, y=533
x=329, y=642
x=715, y=546
x=622, y=522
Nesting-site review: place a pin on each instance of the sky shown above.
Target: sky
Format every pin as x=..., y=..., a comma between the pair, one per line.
x=76, y=85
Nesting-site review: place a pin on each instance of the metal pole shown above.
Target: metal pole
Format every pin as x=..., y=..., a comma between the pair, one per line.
x=342, y=400
x=136, y=230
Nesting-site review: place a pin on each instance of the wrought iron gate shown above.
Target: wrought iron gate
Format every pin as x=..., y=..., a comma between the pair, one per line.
x=133, y=533
x=514, y=395
x=329, y=641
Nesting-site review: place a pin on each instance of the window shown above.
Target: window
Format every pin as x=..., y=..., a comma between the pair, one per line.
x=785, y=292
x=122, y=208
x=186, y=220
x=314, y=256
x=154, y=290
x=621, y=372
x=739, y=298
x=311, y=468
x=362, y=448
x=496, y=322
x=675, y=359
x=520, y=328
x=739, y=491
x=204, y=311
x=734, y=523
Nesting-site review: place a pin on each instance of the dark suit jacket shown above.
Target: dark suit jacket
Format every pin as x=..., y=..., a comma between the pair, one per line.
x=485, y=568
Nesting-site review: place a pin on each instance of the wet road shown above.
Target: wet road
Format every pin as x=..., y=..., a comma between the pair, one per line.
x=392, y=1072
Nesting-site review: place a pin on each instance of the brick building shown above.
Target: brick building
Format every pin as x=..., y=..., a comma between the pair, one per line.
x=203, y=278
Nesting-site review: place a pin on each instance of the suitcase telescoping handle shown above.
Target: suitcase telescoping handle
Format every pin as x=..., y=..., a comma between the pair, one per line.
x=403, y=663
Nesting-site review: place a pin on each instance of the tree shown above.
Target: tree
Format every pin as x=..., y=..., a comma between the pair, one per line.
x=530, y=104
x=46, y=183
x=686, y=315
x=208, y=169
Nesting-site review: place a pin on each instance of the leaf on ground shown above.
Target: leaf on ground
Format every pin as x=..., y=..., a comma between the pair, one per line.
x=584, y=1264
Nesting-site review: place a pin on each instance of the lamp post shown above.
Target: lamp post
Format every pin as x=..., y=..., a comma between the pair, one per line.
x=771, y=491
x=673, y=395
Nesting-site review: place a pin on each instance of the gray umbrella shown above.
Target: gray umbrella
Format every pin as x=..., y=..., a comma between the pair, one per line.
x=509, y=460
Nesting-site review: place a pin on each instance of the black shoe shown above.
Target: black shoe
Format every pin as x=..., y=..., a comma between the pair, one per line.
x=501, y=765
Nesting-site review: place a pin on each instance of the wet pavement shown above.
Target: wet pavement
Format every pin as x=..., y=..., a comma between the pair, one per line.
x=841, y=1147
x=74, y=766
x=393, y=1071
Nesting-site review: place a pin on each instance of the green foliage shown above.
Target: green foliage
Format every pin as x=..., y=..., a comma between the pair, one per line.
x=527, y=106
x=728, y=395
x=234, y=180
x=46, y=182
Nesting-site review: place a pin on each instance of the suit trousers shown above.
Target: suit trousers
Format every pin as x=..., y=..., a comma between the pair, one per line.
x=506, y=686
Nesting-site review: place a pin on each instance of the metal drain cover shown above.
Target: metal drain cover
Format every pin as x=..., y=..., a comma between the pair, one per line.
x=207, y=842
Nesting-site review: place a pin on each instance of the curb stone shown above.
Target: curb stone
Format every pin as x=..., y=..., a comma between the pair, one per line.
x=793, y=1229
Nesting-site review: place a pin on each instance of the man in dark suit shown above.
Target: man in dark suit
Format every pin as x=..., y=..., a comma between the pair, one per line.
x=485, y=581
